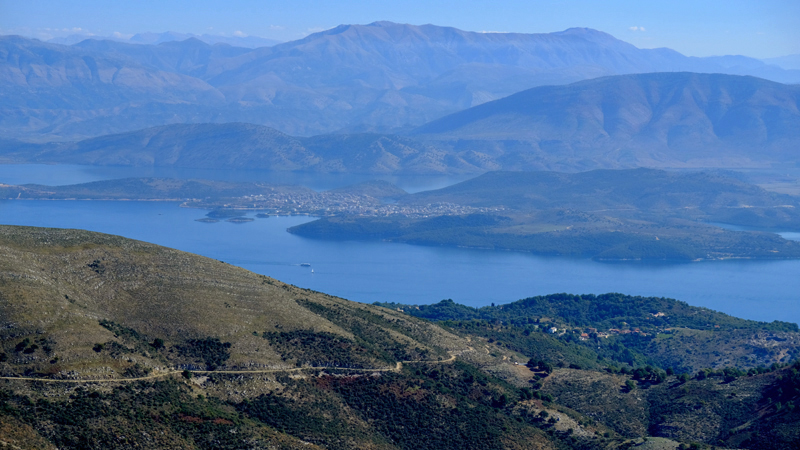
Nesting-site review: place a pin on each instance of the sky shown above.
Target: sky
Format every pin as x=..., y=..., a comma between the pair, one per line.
x=756, y=28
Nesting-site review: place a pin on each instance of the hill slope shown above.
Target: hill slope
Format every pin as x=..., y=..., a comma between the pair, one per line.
x=660, y=119
x=241, y=145
x=50, y=87
x=70, y=291
x=708, y=196
x=92, y=327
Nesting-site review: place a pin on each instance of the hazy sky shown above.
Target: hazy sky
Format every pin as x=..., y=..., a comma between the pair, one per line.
x=758, y=28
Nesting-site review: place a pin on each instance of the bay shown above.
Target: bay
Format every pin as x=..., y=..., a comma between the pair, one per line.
x=382, y=271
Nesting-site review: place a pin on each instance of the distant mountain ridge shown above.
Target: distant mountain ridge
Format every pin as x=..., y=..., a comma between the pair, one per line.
x=356, y=78
x=788, y=62
x=659, y=119
x=149, y=38
x=239, y=145
x=644, y=120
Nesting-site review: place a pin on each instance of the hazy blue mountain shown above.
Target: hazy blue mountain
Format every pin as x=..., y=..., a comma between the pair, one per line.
x=189, y=57
x=170, y=36
x=38, y=75
x=240, y=145
x=788, y=62
x=743, y=65
x=357, y=78
x=642, y=120
x=48, y=88
x=660, y=119
x=615, y=192
x=73, y=39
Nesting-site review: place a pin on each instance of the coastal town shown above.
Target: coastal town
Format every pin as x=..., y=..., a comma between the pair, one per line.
x=326, y=204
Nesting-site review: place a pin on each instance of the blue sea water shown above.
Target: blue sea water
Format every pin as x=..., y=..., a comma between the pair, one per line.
x=382, y=271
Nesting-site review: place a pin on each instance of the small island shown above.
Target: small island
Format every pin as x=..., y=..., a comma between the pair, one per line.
x=240, y=220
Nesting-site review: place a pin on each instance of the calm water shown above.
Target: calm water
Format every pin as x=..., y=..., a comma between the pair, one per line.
x=378, y=271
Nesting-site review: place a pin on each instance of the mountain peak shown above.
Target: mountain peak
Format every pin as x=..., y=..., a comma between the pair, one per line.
x=191, y=41
x=588, y=34
x=383, y=23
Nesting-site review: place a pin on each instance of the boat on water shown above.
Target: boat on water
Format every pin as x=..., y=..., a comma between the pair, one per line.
x=305, y=264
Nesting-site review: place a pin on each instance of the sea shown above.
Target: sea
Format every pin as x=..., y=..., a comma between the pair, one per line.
x=370, y=271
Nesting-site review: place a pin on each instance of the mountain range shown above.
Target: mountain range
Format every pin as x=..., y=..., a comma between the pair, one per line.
x=376, y=77
x=659, y=119
x=170, y=36
x=674, y=119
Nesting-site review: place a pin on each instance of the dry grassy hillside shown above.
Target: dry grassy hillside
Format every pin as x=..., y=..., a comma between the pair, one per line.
x=96, y=306
x=96, y=331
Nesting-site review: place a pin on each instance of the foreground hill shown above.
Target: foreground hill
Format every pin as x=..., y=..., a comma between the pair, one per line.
x=95, y=329
x=79, y=290
x=603, y=214
x=375, y=77
x=652, y=120
x=76, y=306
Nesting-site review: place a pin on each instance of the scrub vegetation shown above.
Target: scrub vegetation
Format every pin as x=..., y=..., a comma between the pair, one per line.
x=108, y=342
